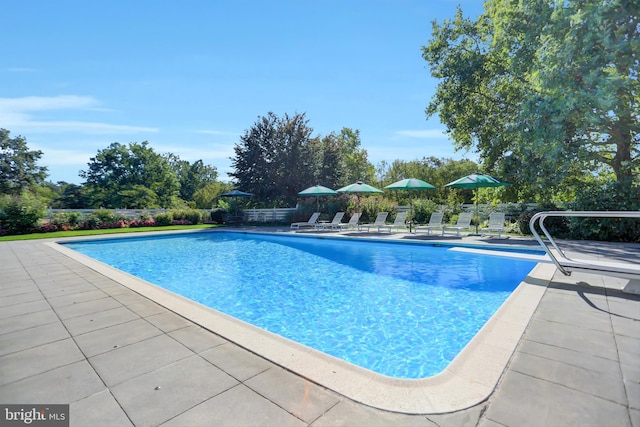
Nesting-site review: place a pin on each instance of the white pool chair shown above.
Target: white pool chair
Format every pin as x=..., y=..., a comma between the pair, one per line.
x=435, y=223
x=464, y=223
x=399, y=222
x=380, y=222
x=353, y=222
x=333, y=225
x=496, y=225
x=311, y=223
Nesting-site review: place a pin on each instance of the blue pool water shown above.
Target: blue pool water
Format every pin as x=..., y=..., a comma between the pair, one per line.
x=401, y=310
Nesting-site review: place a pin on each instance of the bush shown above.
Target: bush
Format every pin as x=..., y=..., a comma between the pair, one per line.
x=164, y=219
x=606, y=197
x=423, y=209
x=102, y=216
x=557, y=226
x=66, y=220
x=193, y=216
x=217, y=215
x=20, y=215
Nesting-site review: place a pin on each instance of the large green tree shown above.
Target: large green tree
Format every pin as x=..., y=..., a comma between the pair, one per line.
x=130, y=176
x=19, y=170
x=274, y=159
x=191, y=176
x=546, y=91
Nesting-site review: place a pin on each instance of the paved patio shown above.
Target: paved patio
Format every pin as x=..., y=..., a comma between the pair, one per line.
x=69, y=334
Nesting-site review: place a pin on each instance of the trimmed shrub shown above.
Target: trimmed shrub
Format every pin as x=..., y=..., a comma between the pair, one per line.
x=20, y=215
x=163, y=219
x=423, y=209
x=557, y=226
x=217, y=215
x=193, y=216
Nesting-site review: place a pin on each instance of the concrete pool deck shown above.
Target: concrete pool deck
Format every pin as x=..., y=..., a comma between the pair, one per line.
x=71, y=334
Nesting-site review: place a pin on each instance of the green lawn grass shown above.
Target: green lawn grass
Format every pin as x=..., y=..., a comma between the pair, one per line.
x=74, y=233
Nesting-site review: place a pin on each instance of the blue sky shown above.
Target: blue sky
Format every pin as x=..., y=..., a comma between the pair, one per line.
x=190, y=77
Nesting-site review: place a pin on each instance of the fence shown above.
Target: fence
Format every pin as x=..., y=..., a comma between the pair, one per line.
x=268, y=215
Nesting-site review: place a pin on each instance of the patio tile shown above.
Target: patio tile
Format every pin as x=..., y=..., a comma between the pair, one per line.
x=168, y=321
x=627, y=307
x=26, y=321
x=236, y=361
x=24, y=308
x=98, y=410
x=21, y=288
x=117, y=336
x=61, y=385
x=197, y=339
x=136, y=359
x=588, y=341
x=26, y=363
x=571, y=357
x=605, y=385
x=626, y=326
x=69, y=289
x=160, y=395
x=99, y=320
x=75, y=298
x=88, y=307
x=525, y=401
x=352, y=414
x=130, y=298
x=237, y=407
x=628, y=349
x=298, y=396
x=9, y=300
x=32, y=337
x=147, y=308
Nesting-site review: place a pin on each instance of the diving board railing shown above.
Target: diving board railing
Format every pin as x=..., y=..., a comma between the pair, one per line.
x=567, y=265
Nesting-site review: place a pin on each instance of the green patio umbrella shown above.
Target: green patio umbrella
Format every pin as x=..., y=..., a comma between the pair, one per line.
x=358, y=188
x=476, y=181
x=236, y=194
x=317, y=191
x=411, y=184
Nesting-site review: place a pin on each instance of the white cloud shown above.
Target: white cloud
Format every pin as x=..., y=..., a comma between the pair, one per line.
x=423, y=133
x=17, y=113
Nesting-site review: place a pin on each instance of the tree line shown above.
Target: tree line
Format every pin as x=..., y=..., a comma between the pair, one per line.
x=546, y=92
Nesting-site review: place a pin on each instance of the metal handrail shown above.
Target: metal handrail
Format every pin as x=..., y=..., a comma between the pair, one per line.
x=541, y=216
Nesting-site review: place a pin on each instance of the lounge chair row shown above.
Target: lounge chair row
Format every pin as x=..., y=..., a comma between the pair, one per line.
x=354, y=222
x=496, y=223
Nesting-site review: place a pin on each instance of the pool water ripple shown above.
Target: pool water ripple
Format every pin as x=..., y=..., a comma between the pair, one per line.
x=400, y=310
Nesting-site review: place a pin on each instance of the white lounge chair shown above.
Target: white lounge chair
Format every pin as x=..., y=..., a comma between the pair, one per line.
x=496, y=225
x=464, y=223
x=311, y=223
x=379, y=223
x=435, y=223
x=399, y=222
x=334, y=224
x=353, y=222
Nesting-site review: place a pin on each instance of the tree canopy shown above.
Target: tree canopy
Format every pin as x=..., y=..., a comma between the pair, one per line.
x=19, y=170
x=546, y=91
x=132, y=176
x=278, y=157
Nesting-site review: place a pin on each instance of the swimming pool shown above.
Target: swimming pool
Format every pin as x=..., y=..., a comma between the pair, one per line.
x=401, y=310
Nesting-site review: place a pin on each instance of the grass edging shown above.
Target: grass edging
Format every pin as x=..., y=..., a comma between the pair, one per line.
x=75, y=233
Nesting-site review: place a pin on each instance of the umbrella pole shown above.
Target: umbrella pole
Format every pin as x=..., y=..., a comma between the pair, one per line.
x=477, y=218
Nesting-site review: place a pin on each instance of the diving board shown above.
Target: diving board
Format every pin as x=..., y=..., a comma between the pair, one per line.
x=568, y=265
